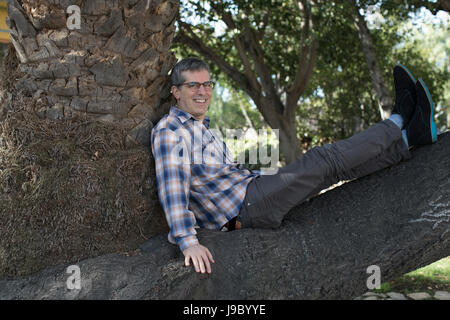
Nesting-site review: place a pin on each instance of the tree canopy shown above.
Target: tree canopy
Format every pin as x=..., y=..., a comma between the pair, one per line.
x=302, y=63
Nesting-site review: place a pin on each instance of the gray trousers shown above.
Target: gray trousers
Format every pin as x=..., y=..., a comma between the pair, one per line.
x=270, y=197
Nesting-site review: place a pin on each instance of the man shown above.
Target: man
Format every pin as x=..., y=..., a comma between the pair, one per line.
x=218, y=194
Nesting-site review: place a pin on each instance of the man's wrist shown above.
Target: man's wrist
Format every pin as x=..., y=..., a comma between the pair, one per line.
x=187, y=242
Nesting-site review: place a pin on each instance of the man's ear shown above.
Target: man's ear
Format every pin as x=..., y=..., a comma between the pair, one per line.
x=176, y=92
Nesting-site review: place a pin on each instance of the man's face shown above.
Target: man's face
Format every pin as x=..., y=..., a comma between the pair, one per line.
x=192, y=100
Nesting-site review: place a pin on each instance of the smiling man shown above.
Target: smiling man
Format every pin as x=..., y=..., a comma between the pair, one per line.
x=220, y=194
x=196, y=96
x=204, y=193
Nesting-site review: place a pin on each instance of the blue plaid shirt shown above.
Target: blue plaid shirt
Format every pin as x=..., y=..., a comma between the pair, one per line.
x=197, y=180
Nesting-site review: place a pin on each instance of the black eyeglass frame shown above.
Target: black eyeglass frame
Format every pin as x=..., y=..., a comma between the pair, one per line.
x=193, y=84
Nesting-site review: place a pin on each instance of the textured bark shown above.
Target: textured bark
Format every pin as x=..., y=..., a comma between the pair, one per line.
x=397, y=219
x=112, y=69
x=72, y=187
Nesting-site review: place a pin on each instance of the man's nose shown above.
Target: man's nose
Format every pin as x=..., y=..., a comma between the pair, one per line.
x=202, y=89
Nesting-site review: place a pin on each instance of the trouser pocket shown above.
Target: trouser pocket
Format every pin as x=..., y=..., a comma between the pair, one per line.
x=258, y=209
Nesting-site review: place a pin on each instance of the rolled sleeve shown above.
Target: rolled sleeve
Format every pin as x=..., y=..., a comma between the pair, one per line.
x=186, y=242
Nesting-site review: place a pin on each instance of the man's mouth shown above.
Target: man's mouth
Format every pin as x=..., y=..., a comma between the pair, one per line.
x=200, y=100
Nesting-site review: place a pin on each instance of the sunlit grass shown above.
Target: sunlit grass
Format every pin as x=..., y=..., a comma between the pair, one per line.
x=438, y=270
x=431, y=278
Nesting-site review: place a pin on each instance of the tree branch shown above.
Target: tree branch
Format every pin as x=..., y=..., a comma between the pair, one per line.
x=269, y=104
x=247, y=42
x=257, y=54
x=195, y=43
x=443, y=5
x=240, y=46
x=306, y=63
x=384, y=98
x=322, y=250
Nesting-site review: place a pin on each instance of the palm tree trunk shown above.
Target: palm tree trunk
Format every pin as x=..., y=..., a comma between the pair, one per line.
x=77, y=104
x=112, y=68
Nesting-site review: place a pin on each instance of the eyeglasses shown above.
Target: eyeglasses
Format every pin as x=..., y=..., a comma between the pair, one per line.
x=196, y=85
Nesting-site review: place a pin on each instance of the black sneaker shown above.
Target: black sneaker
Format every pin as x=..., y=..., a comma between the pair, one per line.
x=422, y=128
x=405, y=93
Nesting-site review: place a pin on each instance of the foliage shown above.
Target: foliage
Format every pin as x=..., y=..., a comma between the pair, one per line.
x=345, y=103
x=431, y=43
x=339, y=99
x=227, y=110
x=230, y=110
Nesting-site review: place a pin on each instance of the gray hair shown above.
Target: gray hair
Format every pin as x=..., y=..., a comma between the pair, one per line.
x=187, y=64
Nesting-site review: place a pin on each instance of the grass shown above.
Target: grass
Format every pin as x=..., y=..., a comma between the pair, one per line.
x=431, y=278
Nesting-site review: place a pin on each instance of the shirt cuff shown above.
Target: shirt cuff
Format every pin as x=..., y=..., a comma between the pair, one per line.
x=187, y=242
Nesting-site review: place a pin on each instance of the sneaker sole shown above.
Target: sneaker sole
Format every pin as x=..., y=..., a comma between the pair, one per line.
x=432, y=123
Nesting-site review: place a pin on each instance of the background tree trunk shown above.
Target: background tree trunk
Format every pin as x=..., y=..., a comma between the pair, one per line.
x=256, y=79
x=385, y=100
x=435, y=6
x=77, y=106
x=289, y=141
x=444, y=5
x=397, y=219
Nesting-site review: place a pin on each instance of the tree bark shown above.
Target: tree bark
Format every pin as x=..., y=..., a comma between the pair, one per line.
x=385, y=100
x=289, y=142
x=397, y=219
x=112, y=68
x=76, y=109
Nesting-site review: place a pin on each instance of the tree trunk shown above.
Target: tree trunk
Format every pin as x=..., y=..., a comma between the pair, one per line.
x=397, y=219
x=434, y=7
x=112, y=68
x=448, y=118
x=244, y=112
x=76, y=174
x=256, y=79
x=444, y=5
x=384, y=98
x=289, y=142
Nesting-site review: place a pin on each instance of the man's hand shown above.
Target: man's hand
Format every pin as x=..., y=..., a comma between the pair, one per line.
x=200, y=256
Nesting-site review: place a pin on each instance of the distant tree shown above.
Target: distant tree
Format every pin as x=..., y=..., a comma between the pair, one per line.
x=383, y=95
x=231, y=109
x=312, y=68
x=268, y=49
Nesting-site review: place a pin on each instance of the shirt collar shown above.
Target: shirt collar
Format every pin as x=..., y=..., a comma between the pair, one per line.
x=184, y=116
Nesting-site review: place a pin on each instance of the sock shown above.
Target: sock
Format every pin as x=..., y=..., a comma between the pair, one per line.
x=397, y=119
x=405, y=137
